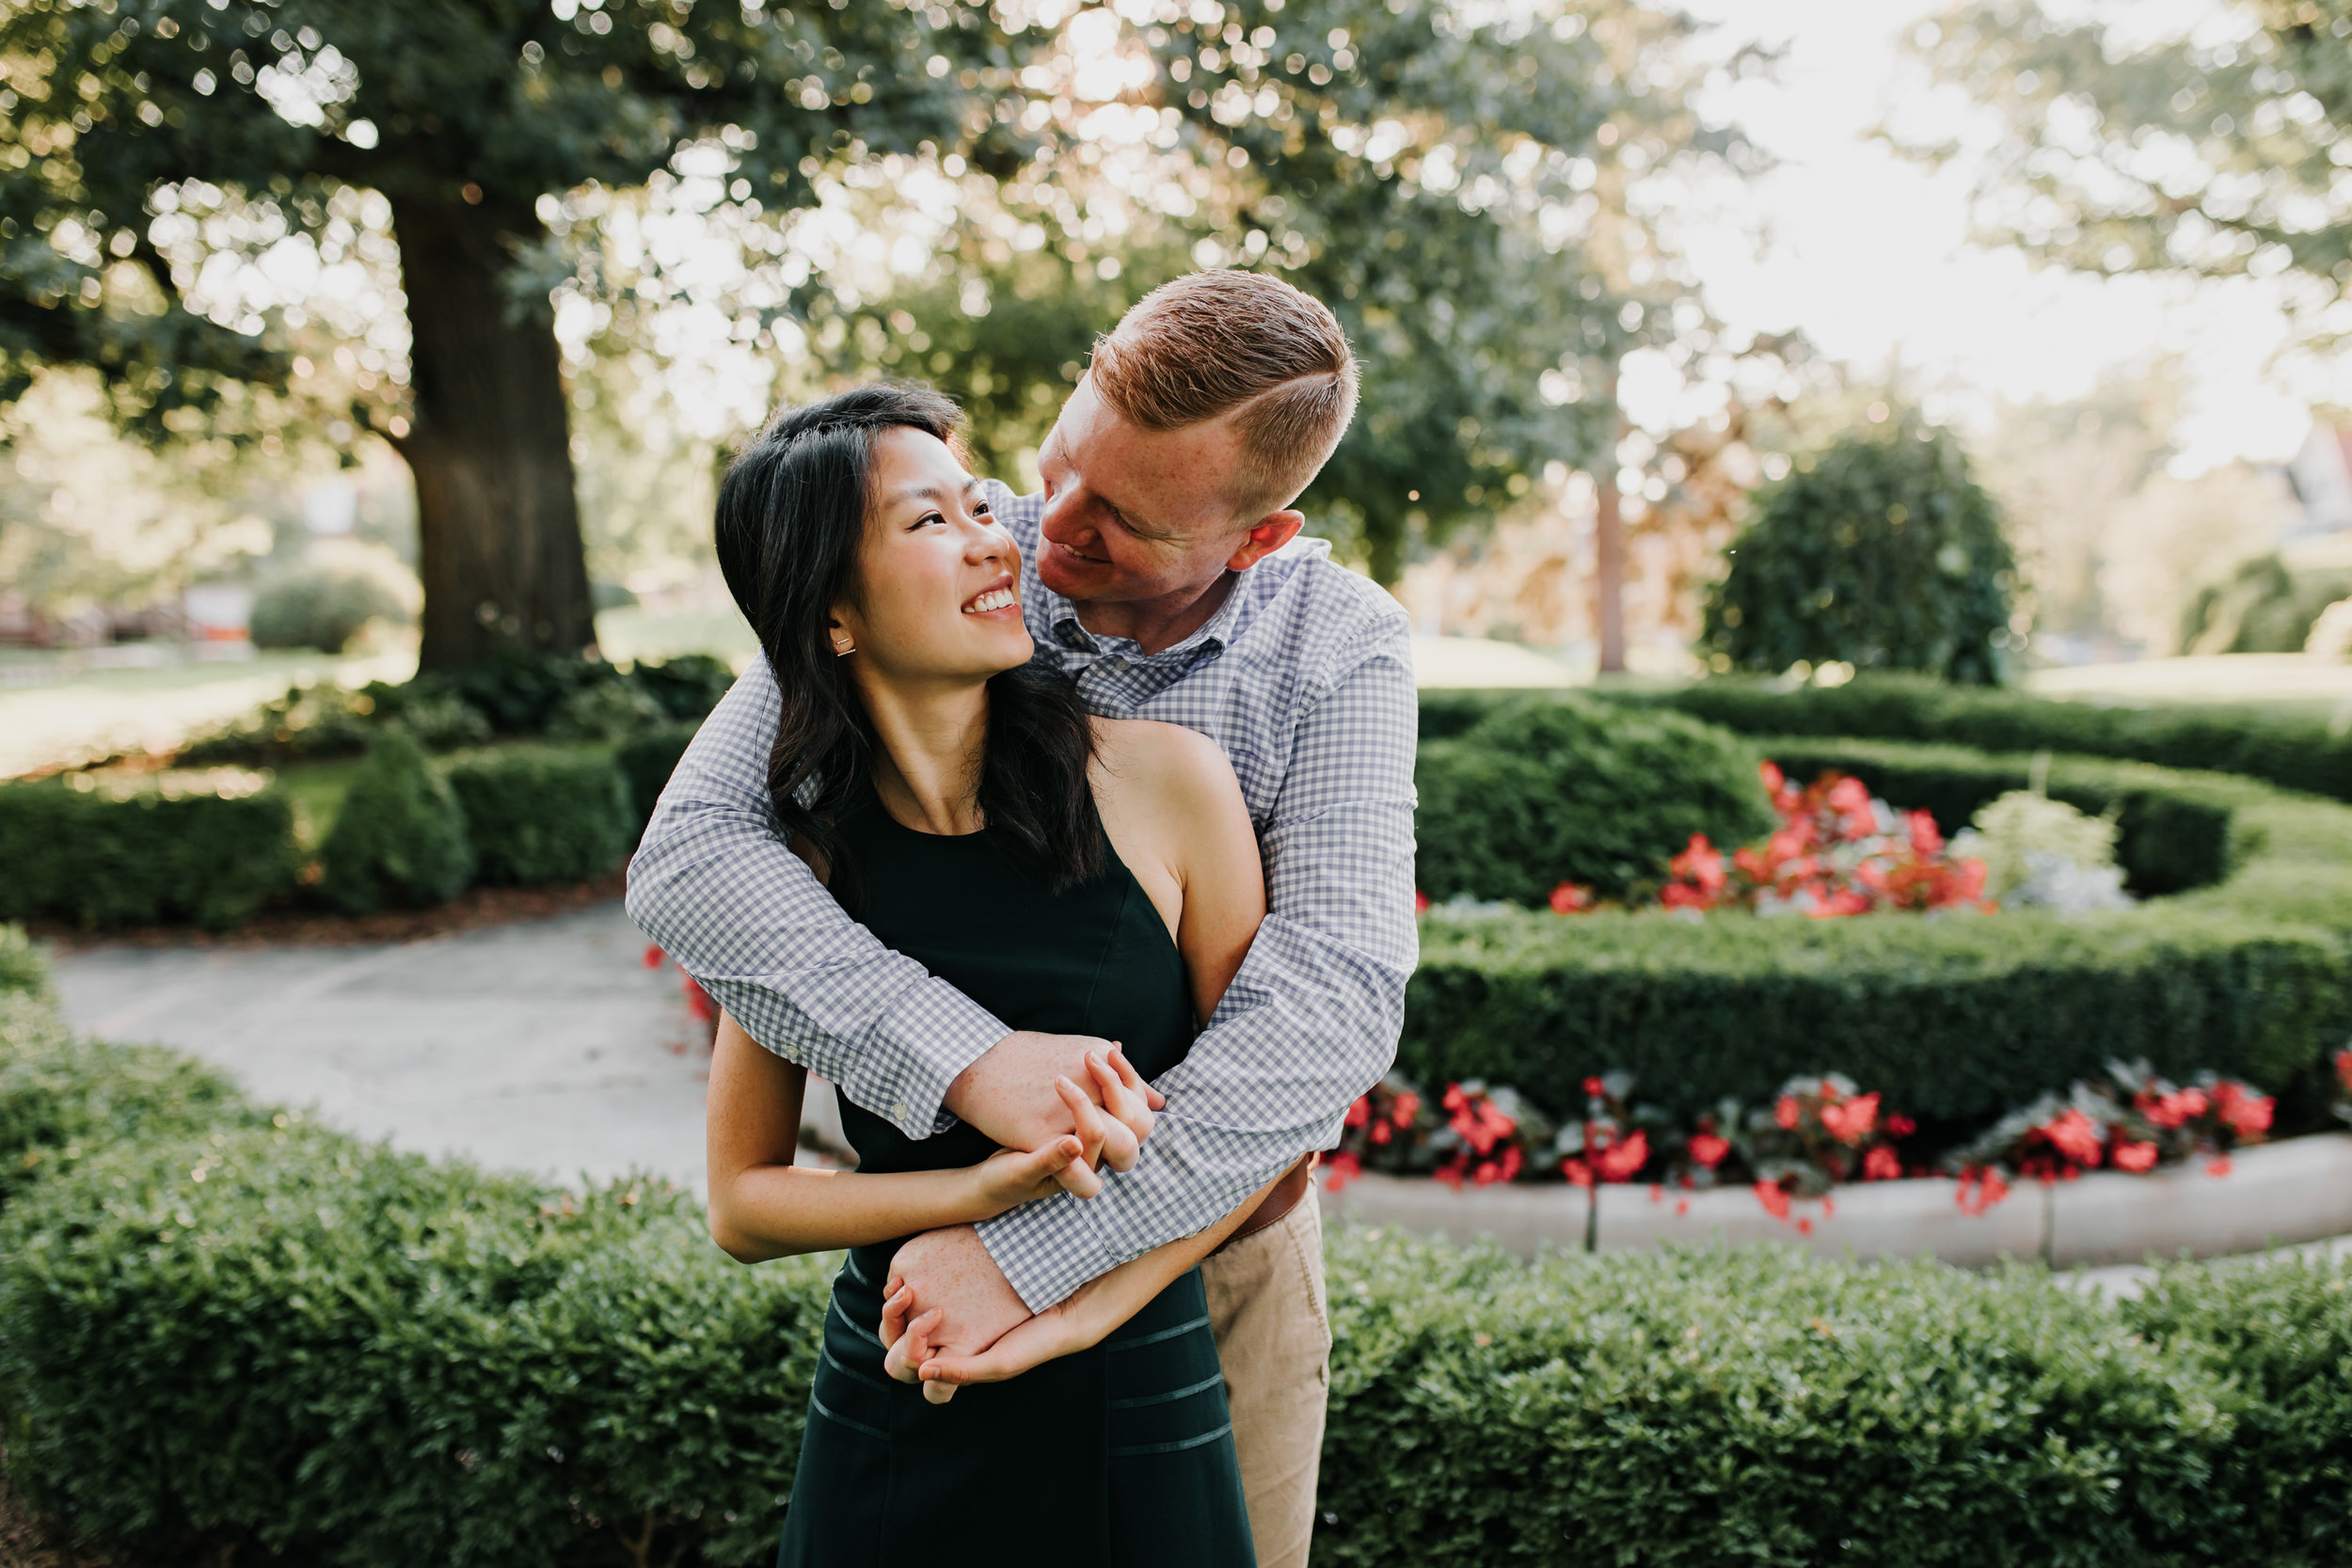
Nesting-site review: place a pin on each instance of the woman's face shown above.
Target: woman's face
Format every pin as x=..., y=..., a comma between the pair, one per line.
x=937, y=592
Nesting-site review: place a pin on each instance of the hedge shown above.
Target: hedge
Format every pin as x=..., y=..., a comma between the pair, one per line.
x=399, y=838
x=1955, y=1017
x=544, y=815
x=224, y=1327
x=99, y=861
x=2302, y=754
x=647, y=761
x=1562, y=787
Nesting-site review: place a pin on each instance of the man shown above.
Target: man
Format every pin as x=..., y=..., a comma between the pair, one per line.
x=1162, y=569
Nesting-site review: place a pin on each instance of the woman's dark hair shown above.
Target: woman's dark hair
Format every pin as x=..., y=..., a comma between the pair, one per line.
x=791, y=517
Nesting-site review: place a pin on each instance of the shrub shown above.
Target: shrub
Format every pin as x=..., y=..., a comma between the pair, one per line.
x=1881, y=552
x=687, y=687
x=2262, y=607
x=544, y=815
x=399, y=840
x=306, y=723
x=429, y=1364
x=2293, y=752
x=1961, y=1016
x=20, y=969
x=322, y=608
x=98, y=860
x=607, y=710
x=1704, y=1408
x=1549, y=789
x=647, y=761
x=518, y=691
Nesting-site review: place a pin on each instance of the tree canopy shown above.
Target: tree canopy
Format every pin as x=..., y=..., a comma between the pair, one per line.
x=165, y=155
x=2216, y=153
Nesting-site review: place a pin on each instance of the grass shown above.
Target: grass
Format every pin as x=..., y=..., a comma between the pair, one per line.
x=316, y=791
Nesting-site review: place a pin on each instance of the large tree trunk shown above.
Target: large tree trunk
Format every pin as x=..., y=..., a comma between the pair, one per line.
x=497, y=523
x=1609, y=546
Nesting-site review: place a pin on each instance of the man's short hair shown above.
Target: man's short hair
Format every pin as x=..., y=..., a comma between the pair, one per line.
x=1238, y=343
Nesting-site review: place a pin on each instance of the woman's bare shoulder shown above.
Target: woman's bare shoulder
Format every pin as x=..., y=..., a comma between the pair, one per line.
x=1147, y=753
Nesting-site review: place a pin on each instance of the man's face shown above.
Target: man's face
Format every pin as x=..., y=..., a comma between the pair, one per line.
x=1133, y=514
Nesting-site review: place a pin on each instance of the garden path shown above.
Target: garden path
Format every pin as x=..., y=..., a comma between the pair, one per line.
x=545, y=1046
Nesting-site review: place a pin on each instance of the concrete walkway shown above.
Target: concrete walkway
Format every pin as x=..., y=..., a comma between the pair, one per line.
x=545, y=1046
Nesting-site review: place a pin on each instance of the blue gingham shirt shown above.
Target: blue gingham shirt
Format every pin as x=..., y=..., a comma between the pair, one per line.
x=1304, y=677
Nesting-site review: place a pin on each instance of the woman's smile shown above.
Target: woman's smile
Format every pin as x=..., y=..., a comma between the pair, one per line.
x=995, y=599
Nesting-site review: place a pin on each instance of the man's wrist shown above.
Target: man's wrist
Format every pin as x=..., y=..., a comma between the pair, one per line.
x=936, y=1034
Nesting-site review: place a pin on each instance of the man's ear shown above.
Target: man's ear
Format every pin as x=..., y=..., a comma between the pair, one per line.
x=1267, y=536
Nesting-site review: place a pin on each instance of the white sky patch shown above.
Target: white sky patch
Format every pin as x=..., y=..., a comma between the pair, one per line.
x=1869, y=253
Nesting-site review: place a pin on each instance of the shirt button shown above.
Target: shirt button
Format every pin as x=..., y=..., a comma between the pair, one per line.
x=898, y=1109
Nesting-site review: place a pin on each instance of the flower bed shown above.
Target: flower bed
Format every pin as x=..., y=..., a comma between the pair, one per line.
x=432, y=1365
x=1957, y=1020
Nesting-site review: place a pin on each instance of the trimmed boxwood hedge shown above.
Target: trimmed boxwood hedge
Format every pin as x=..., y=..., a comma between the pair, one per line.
x=100, y=861
x=646, y=761
x=2294, y=752
x=1959, y=1016
x=546, y=814
x=424, y=1363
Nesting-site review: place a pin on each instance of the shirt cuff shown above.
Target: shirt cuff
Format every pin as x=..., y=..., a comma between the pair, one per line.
x=936, y=1031
x=1047, y=1249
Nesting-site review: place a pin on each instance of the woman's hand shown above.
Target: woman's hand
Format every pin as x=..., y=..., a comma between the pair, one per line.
x=1009, y=1178
x=1052, y=1333
x=1114, y=1130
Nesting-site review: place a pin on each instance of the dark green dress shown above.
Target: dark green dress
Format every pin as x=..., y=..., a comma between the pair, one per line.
x=1120, y=1454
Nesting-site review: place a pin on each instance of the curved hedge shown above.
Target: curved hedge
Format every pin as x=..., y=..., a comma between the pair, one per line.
x=222, y=1328
x=1959, y=1016
x=2294, y=752
x=86, y=857
x=1548, y=788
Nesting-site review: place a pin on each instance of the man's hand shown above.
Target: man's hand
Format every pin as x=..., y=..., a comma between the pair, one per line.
x=946, y=1281
x=1020, y=1094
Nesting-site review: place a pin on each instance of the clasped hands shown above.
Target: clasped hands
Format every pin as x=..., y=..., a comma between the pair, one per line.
x=948, y=1315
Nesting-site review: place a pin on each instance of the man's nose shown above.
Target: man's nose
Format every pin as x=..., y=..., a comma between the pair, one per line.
x=1065, y=520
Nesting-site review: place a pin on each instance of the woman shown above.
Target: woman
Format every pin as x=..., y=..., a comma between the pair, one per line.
x=1072, y=875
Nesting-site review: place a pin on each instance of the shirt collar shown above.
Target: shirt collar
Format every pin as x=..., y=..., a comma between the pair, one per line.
x=1212, y=637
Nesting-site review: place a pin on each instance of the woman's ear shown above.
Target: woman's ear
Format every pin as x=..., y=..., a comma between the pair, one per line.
x=840, y=629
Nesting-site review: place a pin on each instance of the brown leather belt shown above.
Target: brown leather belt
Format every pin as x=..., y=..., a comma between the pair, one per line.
x=1275, y=1205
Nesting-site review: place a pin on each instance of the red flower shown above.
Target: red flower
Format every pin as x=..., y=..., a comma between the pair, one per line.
x=1407, y=1106
x=1981, y=1187
x=1382, y=1132
x=1619, y=1162
x=1682, y=1206
x=1576, y=1172
x=1450, y=1175
x=1571, y=899
x=2219, y=1166
x=2075, y=1136
x=1420, y=902
x=1851, y=1122
x=1594, y=1087
x=1454, y=1099
x=1709, y=1149
x=1775, y=781
x=1774, y=1199
x=1360, y=1112
x=1879, y=1165
x=1344, y=1167
x=654, y=957
x=1901, y=1126
x=1788, y=1113
x=2343, y=1070
x=2134, y=1158
x=2246, y=1114
x=1927, y=840
x=1701, y=866
x=698, y=1000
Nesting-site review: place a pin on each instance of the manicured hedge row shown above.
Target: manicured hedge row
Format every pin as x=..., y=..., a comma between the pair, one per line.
x=646, y=761
x=2294, y=752
x=68, y=854
x=223, y=1327
x=544, y=815
x=1951, y=1017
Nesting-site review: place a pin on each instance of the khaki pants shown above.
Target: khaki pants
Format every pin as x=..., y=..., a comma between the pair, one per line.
x=1274, y=1335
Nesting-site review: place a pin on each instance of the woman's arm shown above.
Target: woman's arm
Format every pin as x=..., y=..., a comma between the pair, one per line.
x=763, y=1206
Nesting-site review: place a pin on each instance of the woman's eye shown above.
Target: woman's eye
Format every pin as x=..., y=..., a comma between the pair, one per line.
x=929, y=517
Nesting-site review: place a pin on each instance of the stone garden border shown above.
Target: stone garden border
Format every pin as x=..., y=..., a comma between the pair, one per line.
x=2298, y=1190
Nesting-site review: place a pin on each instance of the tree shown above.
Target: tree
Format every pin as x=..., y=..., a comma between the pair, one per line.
x=145, y=139
x=1881, y=552
x=2213, y=154
x=1452, y=184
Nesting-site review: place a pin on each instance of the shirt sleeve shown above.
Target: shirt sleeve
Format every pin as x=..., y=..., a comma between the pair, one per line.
x=1311, y=1021
x=715, y=886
